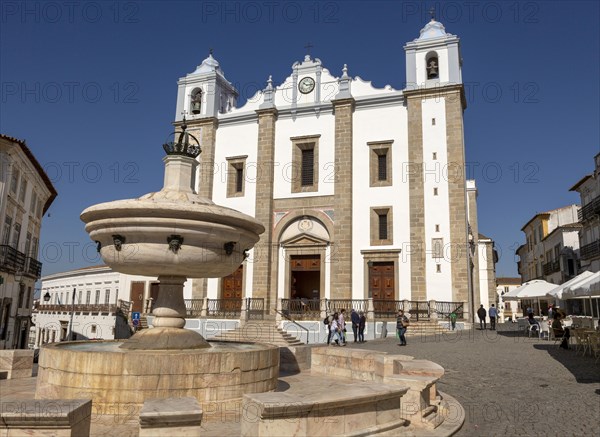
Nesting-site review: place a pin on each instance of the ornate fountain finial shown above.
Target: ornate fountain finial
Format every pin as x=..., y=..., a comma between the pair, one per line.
x=182, y=146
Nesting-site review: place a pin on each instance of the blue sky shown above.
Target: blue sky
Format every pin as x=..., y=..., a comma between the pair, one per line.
x=92, y=88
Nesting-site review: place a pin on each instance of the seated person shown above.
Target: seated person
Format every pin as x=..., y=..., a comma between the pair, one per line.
x=532, y=321
x=559, y=331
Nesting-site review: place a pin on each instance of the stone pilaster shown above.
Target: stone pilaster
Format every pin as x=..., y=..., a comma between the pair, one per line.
x=472, y=199
x=414, y=175
x=205, y=129
x=341, y=267
x=263, y=285
x=455, y=105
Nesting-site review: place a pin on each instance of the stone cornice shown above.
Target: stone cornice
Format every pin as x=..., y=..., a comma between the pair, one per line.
x=267, y=111
x=199, y=122
x=438, y=91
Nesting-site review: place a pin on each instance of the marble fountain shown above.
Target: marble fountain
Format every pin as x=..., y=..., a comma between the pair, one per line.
x=174, y=234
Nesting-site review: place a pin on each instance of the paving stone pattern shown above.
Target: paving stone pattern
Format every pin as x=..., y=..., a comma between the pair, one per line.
x=509, y=384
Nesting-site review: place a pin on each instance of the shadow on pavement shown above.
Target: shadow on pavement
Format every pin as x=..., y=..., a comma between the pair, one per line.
x=581, y=367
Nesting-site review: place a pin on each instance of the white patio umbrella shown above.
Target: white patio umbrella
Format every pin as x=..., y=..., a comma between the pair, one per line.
x=589, y=287
x=558, y=292
x=531, y=290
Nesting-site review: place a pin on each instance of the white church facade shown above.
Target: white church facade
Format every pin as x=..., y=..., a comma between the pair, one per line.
x=362, y=190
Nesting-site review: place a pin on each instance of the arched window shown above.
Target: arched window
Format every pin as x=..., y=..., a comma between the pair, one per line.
x=196, y=102
x=432, y=65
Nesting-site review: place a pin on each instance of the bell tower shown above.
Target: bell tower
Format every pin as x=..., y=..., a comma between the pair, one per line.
x=433, y=59
x=205, y=92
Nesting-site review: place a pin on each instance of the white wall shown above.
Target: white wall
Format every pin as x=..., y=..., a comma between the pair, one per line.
x=380, y=124
x=437, y=208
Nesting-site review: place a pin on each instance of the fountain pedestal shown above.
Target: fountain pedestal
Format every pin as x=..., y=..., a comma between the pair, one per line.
x=169, y=319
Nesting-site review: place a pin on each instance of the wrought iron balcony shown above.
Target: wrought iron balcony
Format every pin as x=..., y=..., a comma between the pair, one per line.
x=34, y=268
x=587, y=212
x=11, y=259
x=590, y=251
x=551, y=267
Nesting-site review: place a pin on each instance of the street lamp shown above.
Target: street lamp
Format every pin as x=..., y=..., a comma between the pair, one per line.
x=47, y=297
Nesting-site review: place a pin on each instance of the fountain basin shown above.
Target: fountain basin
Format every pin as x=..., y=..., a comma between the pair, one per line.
x=119, y=380
x=146, y=225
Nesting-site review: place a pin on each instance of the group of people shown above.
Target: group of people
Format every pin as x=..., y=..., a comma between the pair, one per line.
x=482, y=313
x=336, y=323
x=559, y=331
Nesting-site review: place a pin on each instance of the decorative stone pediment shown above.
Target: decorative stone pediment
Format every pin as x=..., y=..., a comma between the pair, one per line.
x=305, y=240
x=306, y=231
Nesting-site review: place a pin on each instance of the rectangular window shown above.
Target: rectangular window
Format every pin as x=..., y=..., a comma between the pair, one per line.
x=23, y=192
x=33, y=203
x=305, y=164
x=437, y=248
x=107, y=297
x=438, y=268
x=16, y=235
x=434, y=156
x=39, y=209
x=239, y=180
x=14, y=181
x=88, y=295
x=7, y=229
x=381, y=226
x=437, y=228
x=433, y=121
x=34, y=248
x=97, y=300
x=27, y=244
x=507, y=306
x=380, y=163
x=307, y=168
x=435, y=191
x=382, y=167
x=79, y=297
x=236, y=176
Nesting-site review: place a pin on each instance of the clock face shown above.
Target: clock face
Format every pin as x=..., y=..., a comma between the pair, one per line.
x=306, y=85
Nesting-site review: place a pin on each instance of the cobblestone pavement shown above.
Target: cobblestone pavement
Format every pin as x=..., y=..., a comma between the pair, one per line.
x=509, y=384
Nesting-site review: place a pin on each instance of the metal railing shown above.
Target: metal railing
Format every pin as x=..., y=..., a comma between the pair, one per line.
x=386, y=308
x=444, y=309
x=12, y=259
x=419, y=309
x=335, y=305
x=589, y=210
x=225, y=308
x=85, y=308
x=34, y=268
x=289, y=319
x=302, y=309
x=551, y=267
x=589, y=251
x=255, y=306
x=193, y=307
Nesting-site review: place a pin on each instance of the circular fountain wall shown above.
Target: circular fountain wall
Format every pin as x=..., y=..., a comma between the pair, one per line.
x=119, y=380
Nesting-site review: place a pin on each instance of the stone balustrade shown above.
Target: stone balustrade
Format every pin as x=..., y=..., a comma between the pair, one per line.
x=43, y=418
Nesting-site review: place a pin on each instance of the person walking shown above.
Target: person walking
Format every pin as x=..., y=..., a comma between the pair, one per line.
x=328, y=320
x=493, y=314
x=362, y=321
x=453, y=320
x=342, y=324
x=481, y=313
x=401, y=326
x=333, y=328
x=355, y=319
